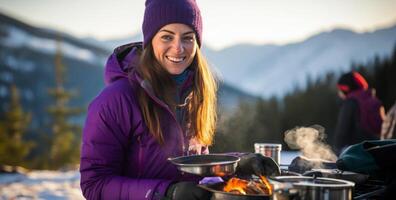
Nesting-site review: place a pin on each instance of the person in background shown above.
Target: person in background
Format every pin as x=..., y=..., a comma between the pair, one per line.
x=361, y=113
x=388, y=130
x=159, y=102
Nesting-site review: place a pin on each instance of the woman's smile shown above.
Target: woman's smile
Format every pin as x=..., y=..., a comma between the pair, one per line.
x=174, y=47
x=176, y=59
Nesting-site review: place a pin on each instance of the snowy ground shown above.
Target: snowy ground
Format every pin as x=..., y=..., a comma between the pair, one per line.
x=57, y=185
x=48, y=185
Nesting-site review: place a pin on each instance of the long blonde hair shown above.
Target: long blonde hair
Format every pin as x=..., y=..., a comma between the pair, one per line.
x=201, y=108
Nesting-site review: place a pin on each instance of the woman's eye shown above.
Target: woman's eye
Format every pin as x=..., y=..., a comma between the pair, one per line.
x=189, y=38
x=166, y=37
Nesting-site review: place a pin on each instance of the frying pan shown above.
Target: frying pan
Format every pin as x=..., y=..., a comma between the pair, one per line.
x=207, y=165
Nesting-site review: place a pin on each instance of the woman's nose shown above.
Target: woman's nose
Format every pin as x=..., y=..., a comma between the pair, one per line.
x=178, y=46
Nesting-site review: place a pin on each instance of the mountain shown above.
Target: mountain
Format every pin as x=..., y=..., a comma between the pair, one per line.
x=27, y=59
x=113, y=43
x=268, y=70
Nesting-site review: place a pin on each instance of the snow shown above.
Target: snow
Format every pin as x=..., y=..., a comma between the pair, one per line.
x=19, y=38
x=41, y=185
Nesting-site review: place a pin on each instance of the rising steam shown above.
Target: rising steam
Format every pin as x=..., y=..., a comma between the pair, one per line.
x=310, y=141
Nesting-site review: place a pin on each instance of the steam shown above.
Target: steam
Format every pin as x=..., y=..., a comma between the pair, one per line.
x=310, y=141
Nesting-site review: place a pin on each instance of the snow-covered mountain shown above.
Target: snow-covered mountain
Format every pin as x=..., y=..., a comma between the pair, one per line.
x=268, y=70
x=27, y=59
x=113, y=43
x=273, y=70
x=17, y=34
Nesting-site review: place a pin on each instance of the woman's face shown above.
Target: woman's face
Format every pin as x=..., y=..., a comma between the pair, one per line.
x=174, y=47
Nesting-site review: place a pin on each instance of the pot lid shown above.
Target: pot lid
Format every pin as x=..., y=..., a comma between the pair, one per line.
x=304, y=181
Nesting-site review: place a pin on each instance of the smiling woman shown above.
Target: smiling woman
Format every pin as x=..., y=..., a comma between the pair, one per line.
x=159, y=102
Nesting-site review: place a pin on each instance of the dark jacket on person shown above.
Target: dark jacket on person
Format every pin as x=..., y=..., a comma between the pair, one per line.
x=359, y=119
x=120, y=159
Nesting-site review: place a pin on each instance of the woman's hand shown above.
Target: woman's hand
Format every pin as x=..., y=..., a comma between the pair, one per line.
x=257, y=164
x=186, y=190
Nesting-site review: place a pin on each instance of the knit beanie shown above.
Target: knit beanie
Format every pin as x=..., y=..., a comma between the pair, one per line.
x=351, y=81
x=159, y=13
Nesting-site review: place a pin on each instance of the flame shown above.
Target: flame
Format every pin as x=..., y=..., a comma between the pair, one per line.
x=236, y=184
x=240, y=186
x=267, y=184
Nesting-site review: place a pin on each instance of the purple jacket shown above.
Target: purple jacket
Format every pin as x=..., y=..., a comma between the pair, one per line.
x=369, y=108
x=359, y=119
x=119, y=157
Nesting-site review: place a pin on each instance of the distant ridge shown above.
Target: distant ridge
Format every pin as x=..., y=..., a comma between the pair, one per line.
x=273, y=70
x=268, y=70
x=50, y=34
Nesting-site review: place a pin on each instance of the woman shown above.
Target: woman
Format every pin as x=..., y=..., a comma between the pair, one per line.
x=159, y=102
x=361, y=113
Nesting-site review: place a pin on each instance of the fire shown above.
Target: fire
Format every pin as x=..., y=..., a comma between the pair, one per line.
x=236, y=185
x=240, y=186
x=267, y=184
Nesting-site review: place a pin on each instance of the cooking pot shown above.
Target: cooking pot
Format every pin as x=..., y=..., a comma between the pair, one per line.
x=207, y=165
x=311, y=188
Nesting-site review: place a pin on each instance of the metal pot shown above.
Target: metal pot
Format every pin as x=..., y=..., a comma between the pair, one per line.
x=207, y=165
x=310, y=188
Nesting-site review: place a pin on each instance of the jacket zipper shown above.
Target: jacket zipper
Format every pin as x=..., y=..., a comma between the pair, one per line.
x=170, y=112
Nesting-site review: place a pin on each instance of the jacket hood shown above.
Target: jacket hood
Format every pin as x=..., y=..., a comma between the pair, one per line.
x=121, y=61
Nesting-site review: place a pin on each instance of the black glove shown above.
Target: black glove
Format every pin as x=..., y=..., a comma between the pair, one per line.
x=186, y=191
x=257, y=164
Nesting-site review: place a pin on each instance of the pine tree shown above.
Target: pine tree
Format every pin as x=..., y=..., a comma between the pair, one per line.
x=13, y=148
x=65, y=140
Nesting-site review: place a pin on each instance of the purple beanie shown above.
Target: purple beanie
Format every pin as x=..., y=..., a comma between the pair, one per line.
x=159, y=13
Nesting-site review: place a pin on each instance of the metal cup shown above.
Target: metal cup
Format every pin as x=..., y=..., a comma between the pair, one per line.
x=269, y=150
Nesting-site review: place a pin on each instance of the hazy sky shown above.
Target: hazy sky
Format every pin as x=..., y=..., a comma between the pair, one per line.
x=226, y=22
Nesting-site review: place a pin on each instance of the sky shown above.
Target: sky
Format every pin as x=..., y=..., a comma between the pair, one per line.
x=225, y=22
